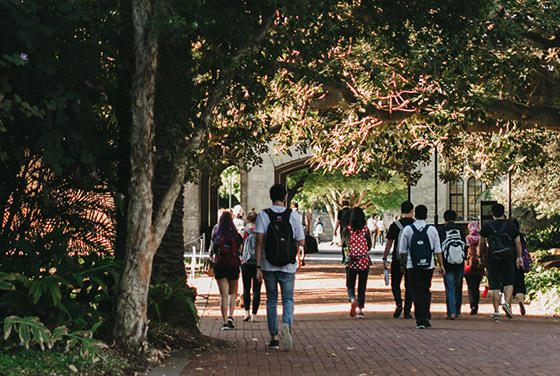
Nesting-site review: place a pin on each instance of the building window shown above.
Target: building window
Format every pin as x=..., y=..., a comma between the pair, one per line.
x=456, y=201
x=474, y=189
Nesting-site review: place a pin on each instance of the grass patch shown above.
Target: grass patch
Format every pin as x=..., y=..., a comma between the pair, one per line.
x=34, y=362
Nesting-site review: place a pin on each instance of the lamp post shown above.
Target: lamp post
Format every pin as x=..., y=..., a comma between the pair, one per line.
x=230, y=192
x=435, y=189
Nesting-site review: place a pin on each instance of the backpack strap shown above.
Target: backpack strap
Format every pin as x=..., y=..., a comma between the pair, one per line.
x=503, y=227
x=491, y=225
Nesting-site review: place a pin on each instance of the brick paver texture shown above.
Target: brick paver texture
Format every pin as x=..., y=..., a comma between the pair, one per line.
x=327, y=341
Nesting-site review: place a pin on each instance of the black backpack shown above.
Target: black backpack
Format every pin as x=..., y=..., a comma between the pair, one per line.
x=500, y=244
x=420, y=249
x=280, y=246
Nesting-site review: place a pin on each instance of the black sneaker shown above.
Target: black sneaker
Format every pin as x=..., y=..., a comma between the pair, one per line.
x=230, y=322
x=397, y=313
x=225, y=327
x=407, y=316
x=274, y=344
x=427, y=323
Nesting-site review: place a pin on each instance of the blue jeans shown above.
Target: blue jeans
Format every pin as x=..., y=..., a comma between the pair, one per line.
x=453, y=281
x=287, y=282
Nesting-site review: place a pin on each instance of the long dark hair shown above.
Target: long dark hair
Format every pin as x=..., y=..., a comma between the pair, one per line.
x=225, y=227
x=357, y=219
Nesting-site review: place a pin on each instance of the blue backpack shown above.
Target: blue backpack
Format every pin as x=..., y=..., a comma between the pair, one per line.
x=420, y=249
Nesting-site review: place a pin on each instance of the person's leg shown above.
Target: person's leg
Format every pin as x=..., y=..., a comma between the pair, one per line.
x=416, y=283
x=247, y=277
x=351, y=284
x=473, y=291
x=396, y=278
x=223, y=287
x=493, y=274
x=271, y=285
x=407, y=297
x=449, y=283
x=233, y=284
x=287, y=284
x=427, y=294
x=362, y=285
x=508, y=277
x=519, y=289
x=459, y=290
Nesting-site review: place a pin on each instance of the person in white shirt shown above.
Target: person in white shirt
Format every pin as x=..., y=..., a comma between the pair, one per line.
x=380, y=230
x=420, y=278
x=273, y=275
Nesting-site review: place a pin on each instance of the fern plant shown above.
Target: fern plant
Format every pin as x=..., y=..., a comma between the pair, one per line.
x=31, y=331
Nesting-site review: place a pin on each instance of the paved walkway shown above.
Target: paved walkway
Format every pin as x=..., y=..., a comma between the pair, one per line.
x=327, y=341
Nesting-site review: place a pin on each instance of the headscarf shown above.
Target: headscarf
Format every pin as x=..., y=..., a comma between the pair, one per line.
x=473, y=236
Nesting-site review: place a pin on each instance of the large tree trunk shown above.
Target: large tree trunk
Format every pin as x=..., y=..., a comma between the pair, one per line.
x=130, y=313
x=168, y=261
x=146, y=228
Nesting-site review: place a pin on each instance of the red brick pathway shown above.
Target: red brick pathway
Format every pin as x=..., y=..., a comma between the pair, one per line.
x=327, y=341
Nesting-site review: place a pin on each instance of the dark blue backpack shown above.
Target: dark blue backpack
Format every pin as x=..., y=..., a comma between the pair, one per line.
x=420, y=249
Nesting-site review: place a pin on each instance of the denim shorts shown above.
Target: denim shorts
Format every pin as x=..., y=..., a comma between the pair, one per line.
x=500, y=274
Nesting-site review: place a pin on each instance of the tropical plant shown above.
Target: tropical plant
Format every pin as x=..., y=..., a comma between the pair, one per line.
x=30, y=331
x=172, y=303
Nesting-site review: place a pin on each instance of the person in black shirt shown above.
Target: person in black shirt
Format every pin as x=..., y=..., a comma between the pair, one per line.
x=342, y=222
x=407, y=213
x=500, y=273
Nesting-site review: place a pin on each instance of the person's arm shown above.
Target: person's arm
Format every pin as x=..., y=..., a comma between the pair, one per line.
x=368, y=238
x=481, y=249
x=519, y=251
x=336, y=226
x=258, y=254
x=403, y=248
x=440, y=262
x=388, y=246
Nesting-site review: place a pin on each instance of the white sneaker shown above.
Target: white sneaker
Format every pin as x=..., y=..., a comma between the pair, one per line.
x=286, y=337
x=247, y=316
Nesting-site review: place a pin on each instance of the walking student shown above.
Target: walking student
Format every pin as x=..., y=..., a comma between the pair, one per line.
x=280, y=235
x=358, y=261
x=227, y=244
x=249, y=269
x=342, y=221
x=393, y=235
x=474, y=268
x=504, y=254
x=453, y=248
x=418, y=244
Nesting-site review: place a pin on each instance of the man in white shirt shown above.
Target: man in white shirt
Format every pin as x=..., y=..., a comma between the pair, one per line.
x=420, y=277
x=274, y=275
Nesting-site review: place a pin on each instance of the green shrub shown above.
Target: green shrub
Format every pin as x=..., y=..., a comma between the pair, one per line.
x=30, y=331
x=544, y=239
x=172, y=304
x=541, y=280
x=42, y=278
